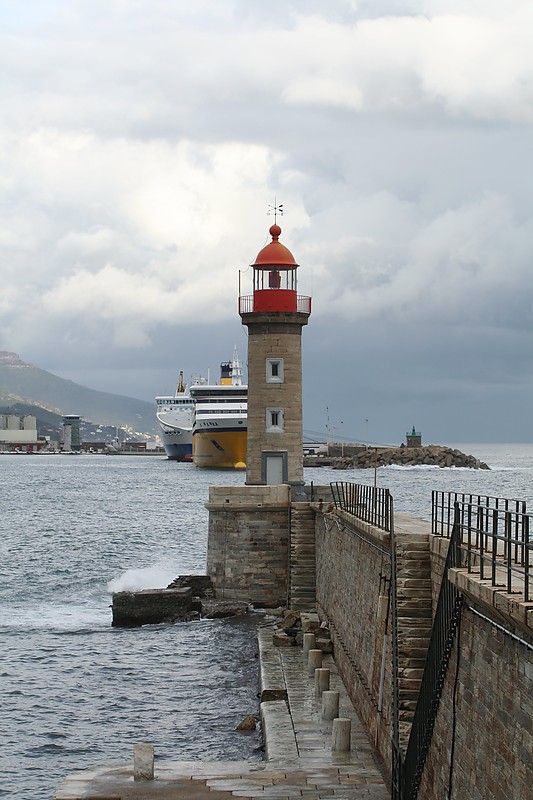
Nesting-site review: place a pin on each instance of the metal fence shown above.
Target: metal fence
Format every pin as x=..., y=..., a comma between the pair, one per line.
x=495, y=538
x=246, y=304
x=369, y=503
x=438, y=656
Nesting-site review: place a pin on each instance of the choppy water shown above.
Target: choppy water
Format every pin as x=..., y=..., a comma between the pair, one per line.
x=76, y=692
x=511, y=476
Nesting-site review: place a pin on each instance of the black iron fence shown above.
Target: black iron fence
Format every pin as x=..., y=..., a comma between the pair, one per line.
x=495, y=538
x=369, y=503
x=438, y=656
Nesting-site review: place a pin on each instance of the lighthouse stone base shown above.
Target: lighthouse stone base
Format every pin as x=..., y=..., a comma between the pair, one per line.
x=248, y=546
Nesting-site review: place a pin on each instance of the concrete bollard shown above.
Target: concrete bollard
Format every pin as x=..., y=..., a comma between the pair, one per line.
x=321, y=681
x=330, y=704
x=309, y=643
x=143, y=762
x=314, y=661
x=340, y=735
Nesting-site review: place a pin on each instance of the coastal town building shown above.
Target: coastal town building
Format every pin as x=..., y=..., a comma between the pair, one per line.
x=71, y=432
x=19, y=433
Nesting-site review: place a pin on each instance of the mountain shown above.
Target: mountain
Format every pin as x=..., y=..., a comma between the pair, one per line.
x=26, y=385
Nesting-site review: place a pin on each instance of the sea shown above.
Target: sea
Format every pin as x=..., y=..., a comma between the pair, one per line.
x=76, y=692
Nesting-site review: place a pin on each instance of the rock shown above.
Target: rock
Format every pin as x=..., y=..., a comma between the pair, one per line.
x=274, y=612
x=430, y=455
x=281, y=639
x=247, y=724
x=201, y=585
x=310, y=621
x=324, y=643
x=216, y=609
x=290, y=620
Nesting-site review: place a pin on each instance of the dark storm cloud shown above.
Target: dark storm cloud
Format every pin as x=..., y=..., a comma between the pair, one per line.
x=141, y=144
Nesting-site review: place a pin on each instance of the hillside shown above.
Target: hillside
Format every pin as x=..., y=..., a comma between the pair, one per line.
x=22, y=383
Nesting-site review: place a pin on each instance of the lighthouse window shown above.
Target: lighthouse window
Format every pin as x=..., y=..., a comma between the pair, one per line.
x=274, y=420
x=274, y=370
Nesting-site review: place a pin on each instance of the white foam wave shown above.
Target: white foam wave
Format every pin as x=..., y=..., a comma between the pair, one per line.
x=423, y=468
x=134, y=580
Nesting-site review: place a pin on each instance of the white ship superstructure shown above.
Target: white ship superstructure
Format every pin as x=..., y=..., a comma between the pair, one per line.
x=175, y=417
x=220, y=419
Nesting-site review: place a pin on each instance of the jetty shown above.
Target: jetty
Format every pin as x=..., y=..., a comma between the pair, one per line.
x=298, y=740
x=428, y=455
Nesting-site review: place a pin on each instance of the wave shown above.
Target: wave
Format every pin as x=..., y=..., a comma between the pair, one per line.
x=424, y=468
x=134, y=580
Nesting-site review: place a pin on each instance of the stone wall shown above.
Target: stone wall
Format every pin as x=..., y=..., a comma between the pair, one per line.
x=485, y=717
x=483, y=739
x=484, y=721
x=248, y=545
x=352, y=573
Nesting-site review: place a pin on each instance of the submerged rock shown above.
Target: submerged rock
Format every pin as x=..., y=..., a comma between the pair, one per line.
x=247, y=724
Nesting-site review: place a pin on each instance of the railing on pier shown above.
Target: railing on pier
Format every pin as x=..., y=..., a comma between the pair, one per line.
x=369, y=503
x=438, y=656
x=495, y=538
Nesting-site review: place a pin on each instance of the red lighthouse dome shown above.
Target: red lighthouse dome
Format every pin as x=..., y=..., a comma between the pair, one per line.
x=275, y=254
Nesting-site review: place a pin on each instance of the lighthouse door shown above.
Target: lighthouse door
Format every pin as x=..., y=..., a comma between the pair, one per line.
x=274, y=468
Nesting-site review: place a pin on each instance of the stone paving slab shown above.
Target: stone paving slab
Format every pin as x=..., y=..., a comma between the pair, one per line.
x=300, y=762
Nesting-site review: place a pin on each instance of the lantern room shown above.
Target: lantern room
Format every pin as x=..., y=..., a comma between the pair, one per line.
x=275, y=276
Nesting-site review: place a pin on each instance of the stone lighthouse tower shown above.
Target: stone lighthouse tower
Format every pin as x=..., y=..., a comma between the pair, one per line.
x=274, y=315
x=261, y=535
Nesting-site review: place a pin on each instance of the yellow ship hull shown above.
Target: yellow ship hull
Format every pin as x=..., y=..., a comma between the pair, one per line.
x=216, y=449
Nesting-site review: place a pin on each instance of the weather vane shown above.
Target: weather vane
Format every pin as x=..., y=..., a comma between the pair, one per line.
x=275, y=209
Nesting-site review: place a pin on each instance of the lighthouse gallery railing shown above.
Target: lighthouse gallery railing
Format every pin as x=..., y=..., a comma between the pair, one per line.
x=246, y=304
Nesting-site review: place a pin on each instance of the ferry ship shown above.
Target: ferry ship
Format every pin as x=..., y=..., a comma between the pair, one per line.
x=174, y=414
x=219, y=432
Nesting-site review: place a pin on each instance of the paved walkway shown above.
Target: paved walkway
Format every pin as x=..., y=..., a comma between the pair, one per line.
x=300, y=762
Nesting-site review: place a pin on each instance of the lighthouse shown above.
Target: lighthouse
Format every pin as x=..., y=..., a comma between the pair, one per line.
x=274, y=314
x=261, y=534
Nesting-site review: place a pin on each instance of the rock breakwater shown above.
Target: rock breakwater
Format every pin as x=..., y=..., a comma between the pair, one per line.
x=430, y=455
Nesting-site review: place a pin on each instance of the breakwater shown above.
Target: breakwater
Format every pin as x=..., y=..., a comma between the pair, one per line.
x=419, y=636
x=428, y=456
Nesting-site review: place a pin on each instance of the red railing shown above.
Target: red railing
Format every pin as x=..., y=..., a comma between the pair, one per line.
x=246, y=304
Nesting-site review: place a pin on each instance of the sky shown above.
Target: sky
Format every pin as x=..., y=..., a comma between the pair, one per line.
x=142, y=143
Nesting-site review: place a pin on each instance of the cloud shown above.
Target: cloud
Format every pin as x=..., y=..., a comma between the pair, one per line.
x=473, y=66
x=464, y=263
x=141, y=143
